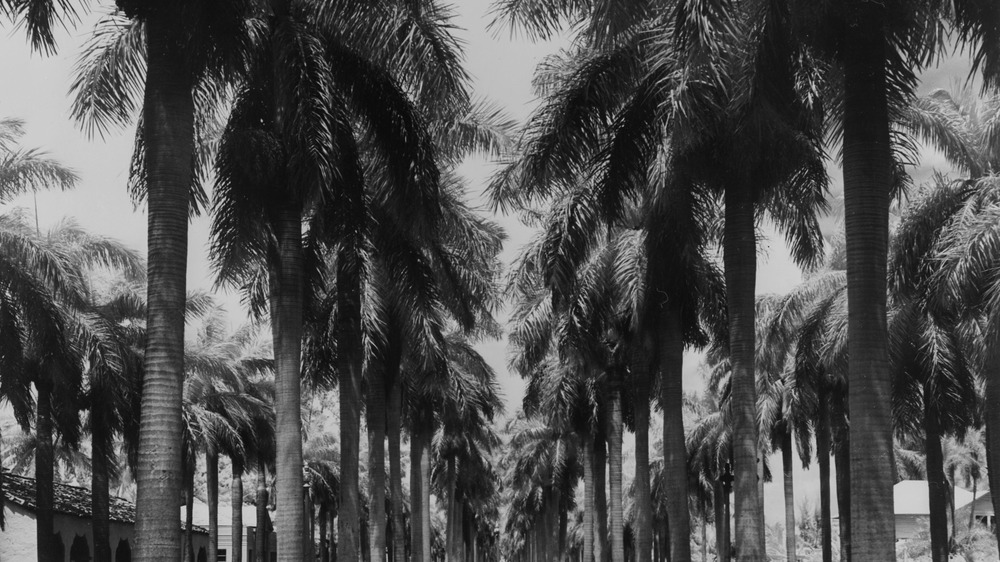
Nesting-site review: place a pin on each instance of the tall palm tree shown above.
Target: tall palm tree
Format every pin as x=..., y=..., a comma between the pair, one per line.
x=322, y=159
x=879, y=48
x=172, y=54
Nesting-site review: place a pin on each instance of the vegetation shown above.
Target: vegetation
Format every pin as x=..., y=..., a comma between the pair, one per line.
x=325, y=142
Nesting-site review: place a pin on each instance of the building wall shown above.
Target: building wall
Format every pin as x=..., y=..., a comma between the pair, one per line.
x=17, y=541
x=909, y=526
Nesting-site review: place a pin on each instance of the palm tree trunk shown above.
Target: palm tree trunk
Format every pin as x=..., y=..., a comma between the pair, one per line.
x=671, y=363
x=453, y=537
x=324, y=551
x=587, y=448
x=263, y=528
x=991, y=372
x=212, y=491
x=189, y=516
x=420, y=530
x=786, y=467
x=823, y=459
x=168, y=122
x=286, y=327
x=615, y=474
x=841, y=458
x=376, y=466
x=727, y=531
x=867, y=182
x=416, y=497
x=236, y=503
x=394, y=430
x=937, y=485
x=740, y=258
x=704, y=530
x=425, y=489
x=563, y=529
x=972, y=510
x=44, y=471
x=601, y=551
x=100, y=487
x=721, y=547
x=349, y=331
x=643, y=525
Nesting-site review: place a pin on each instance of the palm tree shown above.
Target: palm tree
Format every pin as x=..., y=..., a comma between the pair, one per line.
x=370, y=122
x=169, y=55
x=879, y=48
x=55, y=346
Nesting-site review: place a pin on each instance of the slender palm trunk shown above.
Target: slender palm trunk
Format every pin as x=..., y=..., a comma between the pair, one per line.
x=263, y=528
x=416, y=498
x=376, y=466
x=324, y=551
x=786, y=467
x=972, y=510
x=455, y=540
x=727, y=530
x=100, y=487
x=615, y=474
x=212, y=491
x=671, y=363
x=602, y=553
x=841, y=458
x=992, y=423
x=425, y=490
x=587, y=448
x=704, y=529
x=643, y=525
x=44, y=471
x=394, y=431
x=189, y=516
x=286, y=327
x=867, y=182
x=951, y=505
x=236, y=504
x=420, y=546
x=721, y=541
x=823, y=459
x=349, y=330
x=168, y=121
x=937, y=485
x=741, y=278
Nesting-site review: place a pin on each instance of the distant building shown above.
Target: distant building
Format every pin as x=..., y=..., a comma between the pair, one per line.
x=200, y=519
x=72, y=524
x=981, y=510
x=911, y=503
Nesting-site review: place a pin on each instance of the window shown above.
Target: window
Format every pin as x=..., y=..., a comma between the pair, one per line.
x=221, y=555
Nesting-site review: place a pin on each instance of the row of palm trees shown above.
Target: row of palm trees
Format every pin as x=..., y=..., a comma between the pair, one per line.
x=662, y=119
x=330, y=132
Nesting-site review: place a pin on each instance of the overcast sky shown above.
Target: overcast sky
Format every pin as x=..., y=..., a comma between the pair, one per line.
x=35, y=89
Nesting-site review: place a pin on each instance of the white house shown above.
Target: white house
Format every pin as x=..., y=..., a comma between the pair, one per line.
x=911, y=502
x=981, y=510
x=200, y=519
x=72, y=524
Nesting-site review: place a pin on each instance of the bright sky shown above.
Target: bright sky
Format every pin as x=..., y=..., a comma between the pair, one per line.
x=35, y=90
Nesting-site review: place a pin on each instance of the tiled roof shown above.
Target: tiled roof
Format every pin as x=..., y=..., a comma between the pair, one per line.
x=68, y=500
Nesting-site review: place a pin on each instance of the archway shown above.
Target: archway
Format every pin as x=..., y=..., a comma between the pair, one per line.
x=80, y=551
x=124, y=552
x=59, y=550
x=202, y=555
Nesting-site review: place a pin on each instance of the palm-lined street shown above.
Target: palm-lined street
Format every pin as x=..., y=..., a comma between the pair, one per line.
x=402, y=298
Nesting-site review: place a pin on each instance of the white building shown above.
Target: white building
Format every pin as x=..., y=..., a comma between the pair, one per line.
x=72, y=524
x=911, y=502
x=200, y=519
